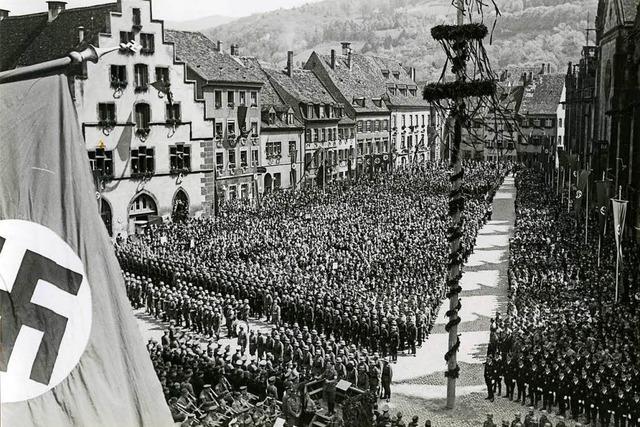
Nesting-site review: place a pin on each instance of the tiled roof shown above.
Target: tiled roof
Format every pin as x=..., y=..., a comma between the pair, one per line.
x=201, y=56
x=543, y=94
x=268, y=95
x=364, y=80
x=269, y=98
x=38, y=40
x=304, y=86
x=16, y=32
x=403, y=79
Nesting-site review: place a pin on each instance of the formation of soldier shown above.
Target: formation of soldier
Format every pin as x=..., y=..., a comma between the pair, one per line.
x=564, y=344
x=354, y=276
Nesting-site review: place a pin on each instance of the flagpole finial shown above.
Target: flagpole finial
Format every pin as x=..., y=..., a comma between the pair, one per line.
x=620, y=192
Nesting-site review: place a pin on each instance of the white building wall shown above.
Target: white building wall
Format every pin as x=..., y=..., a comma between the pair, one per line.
x=194, y=131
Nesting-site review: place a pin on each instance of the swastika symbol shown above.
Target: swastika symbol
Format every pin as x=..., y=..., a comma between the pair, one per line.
x=18, y=310
x=45, y=310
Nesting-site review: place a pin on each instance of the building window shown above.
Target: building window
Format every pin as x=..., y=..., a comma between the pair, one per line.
x=254, y=157
x=360, y=126
x=219, y=160
x=136, y=20
x=392, y=90
x=404, y=121
x=230, y=98
x=293, y=151
x=233, y=192
x=254, y=128
x=385, y=124
x=368, y=126
x=173, y=113
x=243, y=158
x=218, y=98
x=106, y=113
x=232, y=158
x=142, y=161
x=102, y=162
x=148, y=44
x=559, y=139
x=118, y=76
x=412, y=92
x=274, y=149
x=536, y=123
x=126, y=37
x=180, y=158
x=231, y=129
x=410, y=120
x=219, y=131
x=324, y=135
x=242, y=97
x=277, y=180
x=403, y=143
x=559, y=123
x=423, y=120
x=162, y=74
x=143, y=116
x=289, y=118
x=141, y=73
x=254, y=99
x=548, y=123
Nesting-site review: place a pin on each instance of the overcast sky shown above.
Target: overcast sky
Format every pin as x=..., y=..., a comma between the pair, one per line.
x=173, y=10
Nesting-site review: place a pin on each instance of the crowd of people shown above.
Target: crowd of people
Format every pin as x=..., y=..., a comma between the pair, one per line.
x=565, y=345
x=348, y=277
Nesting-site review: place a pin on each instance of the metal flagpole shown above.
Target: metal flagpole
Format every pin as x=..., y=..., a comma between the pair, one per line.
x=586, y=213
x=91, y=53
x=619, y=242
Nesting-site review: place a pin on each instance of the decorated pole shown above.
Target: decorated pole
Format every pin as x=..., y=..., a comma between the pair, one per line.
x=456, y=40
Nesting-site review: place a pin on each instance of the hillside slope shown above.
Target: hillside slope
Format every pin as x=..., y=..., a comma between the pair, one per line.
x=528, y=32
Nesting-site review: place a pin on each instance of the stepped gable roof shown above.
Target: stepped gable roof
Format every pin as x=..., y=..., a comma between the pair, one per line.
x=397, y=75
x=542, y=96
x=30, y=39
x=303, y=85
x=202, y=57
x=363, y=80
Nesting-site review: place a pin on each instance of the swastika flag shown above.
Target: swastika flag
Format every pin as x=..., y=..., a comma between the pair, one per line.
x=70, y=353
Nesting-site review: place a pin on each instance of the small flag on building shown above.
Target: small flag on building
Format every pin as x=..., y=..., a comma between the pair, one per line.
x=603, y=190
x=619, y=214
x=71, y=352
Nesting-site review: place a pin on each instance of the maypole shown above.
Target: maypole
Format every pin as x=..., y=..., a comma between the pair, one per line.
x=462, y=43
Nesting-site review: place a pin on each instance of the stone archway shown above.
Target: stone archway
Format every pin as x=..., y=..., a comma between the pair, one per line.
x=142, y=210
x=268, y=183
x=180, y=206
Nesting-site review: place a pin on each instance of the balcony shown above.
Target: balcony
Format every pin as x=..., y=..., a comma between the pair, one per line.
x=118, y=84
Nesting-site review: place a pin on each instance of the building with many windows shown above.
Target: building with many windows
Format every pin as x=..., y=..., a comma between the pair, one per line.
x=322, y=116
x=231, y=93
x=355, y=81
x=147, y=138
x=538, y=113
x=281, y=134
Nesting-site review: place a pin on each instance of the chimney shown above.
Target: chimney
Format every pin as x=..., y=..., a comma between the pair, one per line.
x=412, y=73
x=346, y=48
x=349, y=59
x=542, y=70
x=290, y=63
x=80, y=34
x=333, y=59
x=55, y=7
x=530, y=77
x=548, y=68
x=235, y=50
x=219, y=46
x=3, y=14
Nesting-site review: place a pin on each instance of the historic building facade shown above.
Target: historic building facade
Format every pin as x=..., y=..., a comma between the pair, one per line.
x=354, y=80
x=231, y=93
x=147, y=138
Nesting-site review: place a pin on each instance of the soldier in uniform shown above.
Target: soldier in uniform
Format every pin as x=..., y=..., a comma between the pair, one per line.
x=489, y=377
x=386, y=378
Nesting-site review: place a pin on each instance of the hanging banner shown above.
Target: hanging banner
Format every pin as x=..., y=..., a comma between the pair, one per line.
x=603, y=190
x=581, y=187
x=619, y=213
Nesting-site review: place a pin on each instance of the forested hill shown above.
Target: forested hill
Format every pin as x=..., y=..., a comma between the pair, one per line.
x=528, y=32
